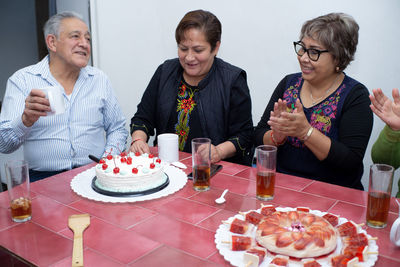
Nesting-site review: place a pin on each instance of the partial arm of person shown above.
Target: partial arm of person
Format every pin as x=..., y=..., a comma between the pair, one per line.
x=139, y=142
x=222, y=151
x=262, y=134
x=143, y=122
x=21, y=108
x=387, y=110
x=240, y=124
x=386, y=148
x=114, y=124
x=354, y=131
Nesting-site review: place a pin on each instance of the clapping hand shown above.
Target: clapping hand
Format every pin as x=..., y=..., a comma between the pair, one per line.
x=291, y=123
x=279, y=107
x=386, y=109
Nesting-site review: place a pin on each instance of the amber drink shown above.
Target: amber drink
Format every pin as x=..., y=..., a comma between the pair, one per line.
x=17, y=173
x=201, y=163
x=266, y=172
x=379, y=191
x=378, y=209
x=21, y=209
x=265, y=185
x=201, y=178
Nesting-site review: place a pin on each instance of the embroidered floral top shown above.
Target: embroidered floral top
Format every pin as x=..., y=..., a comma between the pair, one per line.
x=184, y=118
x=344, y=116
x=185, y=111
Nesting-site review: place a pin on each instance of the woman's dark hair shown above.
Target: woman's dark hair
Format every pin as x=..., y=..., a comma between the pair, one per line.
x=202, y=20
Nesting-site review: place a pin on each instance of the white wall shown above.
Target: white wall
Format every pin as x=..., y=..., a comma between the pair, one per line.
x=131, y=38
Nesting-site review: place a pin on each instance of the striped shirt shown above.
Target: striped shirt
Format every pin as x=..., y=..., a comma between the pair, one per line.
x=93, y=122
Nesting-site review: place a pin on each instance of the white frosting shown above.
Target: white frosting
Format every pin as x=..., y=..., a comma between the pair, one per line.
x=124, y=180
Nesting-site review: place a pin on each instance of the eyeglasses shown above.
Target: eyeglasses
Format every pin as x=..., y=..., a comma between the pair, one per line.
x=312, y=53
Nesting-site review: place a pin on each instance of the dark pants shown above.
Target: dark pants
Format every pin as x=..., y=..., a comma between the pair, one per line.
x=39, y=175
x=35, y=176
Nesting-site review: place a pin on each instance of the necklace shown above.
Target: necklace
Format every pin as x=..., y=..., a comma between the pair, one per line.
x=315, y=101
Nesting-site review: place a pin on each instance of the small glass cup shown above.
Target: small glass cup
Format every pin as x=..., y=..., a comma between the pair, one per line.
x=379, y=192
x=17, y=174
x=266, y=171
x=201, y=163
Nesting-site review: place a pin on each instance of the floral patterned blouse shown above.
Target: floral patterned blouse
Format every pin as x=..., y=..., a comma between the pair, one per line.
x=320, y=116
x=344, y=116
x=183, y=115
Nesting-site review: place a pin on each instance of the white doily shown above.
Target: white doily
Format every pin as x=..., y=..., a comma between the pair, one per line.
x=82, y=185
x=236, y=257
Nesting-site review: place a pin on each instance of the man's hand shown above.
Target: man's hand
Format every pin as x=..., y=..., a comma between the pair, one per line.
x=36, y=105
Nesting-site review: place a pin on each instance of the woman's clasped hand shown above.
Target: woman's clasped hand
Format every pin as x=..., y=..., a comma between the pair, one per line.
x=286, y=121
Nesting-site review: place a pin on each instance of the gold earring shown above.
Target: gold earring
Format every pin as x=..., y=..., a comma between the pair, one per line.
x=337, y=69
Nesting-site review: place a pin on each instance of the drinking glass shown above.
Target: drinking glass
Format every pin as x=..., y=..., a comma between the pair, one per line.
x=266, y=171
x=201, y=163
x=17, y=174
x=379, y=192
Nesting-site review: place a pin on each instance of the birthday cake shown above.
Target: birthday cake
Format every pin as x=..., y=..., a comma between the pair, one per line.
x=130, y=173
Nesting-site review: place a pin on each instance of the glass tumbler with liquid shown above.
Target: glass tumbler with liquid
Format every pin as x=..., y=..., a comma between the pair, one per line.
x=266, y=172
x=379, y=193
x=201, y=163
x=17, y=173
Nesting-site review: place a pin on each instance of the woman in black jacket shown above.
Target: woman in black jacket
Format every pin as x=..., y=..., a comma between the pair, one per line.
x=197, y=95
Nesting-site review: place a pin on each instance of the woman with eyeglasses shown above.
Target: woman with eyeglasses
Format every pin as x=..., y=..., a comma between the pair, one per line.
x=320, y=118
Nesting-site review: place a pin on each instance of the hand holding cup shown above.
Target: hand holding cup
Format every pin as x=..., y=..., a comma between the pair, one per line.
x=36, y=105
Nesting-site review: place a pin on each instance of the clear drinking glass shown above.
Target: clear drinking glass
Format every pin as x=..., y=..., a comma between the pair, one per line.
x=201, y=163
x=379, y=192
x=17, y=174
x=266, y=171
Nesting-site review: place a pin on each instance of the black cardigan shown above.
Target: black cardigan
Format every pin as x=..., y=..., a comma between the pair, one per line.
x=224, y=104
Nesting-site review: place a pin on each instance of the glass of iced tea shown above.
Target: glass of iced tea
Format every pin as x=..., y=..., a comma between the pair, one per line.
x=379, y=192
x=17, y=173
x=266, y=170
x=201, y=163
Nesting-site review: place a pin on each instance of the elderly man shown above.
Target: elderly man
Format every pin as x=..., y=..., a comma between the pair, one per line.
x=92, y=123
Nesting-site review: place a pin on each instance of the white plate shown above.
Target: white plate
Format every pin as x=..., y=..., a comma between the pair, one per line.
x=82, y=185
x=236, y=257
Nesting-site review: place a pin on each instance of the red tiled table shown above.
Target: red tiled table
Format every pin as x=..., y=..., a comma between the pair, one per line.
x=177, y=230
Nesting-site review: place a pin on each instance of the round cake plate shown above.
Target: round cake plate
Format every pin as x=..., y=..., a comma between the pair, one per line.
x=129, y=194
x=236, y=257
x=81, y=184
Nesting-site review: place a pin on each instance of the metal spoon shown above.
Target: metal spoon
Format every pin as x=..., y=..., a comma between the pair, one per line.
x=221, y=199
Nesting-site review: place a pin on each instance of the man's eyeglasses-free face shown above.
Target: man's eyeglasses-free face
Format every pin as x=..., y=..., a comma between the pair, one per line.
x=312, y=53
